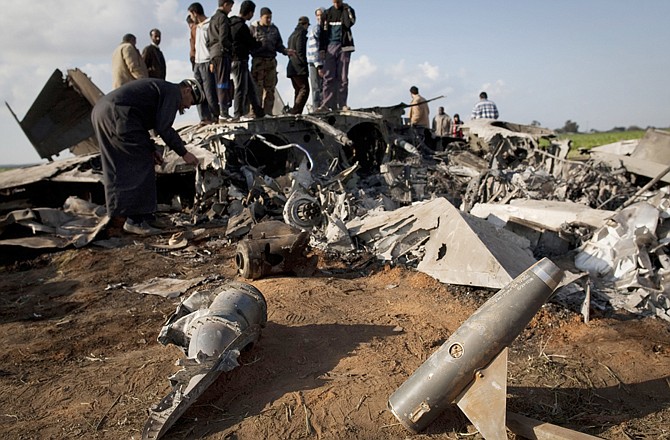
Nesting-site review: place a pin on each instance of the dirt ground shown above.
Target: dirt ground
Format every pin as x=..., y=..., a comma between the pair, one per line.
x=81, y=361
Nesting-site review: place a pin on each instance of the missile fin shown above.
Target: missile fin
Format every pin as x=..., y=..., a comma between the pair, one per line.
x=484, y=400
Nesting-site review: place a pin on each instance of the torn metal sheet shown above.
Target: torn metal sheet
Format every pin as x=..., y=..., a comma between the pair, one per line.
x=636, y=166
x=649, y=158
x=77, y=224
x=488, y=129
x=166, y=287
x=50, y=184
x=507, y=142
x=615, y=248
x=466, y=164
x=80, y=169
x=550, y=214
x=212, y=328
x=391, y=235
x=628, y=255
x=619, y=148
x=654, y=147
x=60, y=116
x=458, y=248
x=467, y=250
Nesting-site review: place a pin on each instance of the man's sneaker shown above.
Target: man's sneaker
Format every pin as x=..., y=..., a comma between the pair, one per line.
x=160, y=223
x=142, y=228
x=224, y=118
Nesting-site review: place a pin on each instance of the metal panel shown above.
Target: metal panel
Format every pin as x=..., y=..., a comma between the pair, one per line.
x=60, y=117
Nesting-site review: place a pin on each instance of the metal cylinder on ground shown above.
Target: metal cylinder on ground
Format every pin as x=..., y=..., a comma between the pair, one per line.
x=473, y=346
x=273, y=248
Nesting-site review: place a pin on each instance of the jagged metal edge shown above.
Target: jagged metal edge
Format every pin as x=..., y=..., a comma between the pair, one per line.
x=174, y=405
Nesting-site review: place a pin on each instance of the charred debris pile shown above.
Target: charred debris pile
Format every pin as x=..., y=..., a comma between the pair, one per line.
x=477, y=212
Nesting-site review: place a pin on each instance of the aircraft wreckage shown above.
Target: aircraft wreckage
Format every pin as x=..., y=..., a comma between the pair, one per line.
x=476, y=214
x=479, y=213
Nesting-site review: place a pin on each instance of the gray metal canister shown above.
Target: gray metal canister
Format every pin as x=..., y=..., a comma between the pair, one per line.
x=448, y=371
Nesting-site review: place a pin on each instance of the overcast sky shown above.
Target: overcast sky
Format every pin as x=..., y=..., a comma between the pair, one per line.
x=600, y=63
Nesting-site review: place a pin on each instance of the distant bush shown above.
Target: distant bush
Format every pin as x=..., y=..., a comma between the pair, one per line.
x=569, y=127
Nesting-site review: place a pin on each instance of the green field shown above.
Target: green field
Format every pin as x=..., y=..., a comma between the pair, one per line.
x=590, y=140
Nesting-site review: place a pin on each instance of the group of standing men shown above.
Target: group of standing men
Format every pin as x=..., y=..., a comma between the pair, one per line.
x=443, y=126
x=222, y=47
x=129, y=64
x=142, y=101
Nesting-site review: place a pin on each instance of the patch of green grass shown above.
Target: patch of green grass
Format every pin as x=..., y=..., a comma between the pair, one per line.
x=589, y=140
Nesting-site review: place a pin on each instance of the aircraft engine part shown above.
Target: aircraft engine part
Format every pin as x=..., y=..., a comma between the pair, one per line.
x=463, y=369
x=236, y=308
x=213, y=328
x=302, y=211
x=273, y=248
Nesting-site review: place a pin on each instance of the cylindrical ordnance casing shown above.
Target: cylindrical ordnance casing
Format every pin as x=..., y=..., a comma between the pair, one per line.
x=237, y=307
x=439, y=380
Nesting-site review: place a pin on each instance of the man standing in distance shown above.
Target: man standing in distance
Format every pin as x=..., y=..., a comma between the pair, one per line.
x=335, y=47
x=243, y=44
x=121, y=121
x=315, y=64
x=153, y=56
x=220, y=47
x=264, y=61
x=208, y=110
x=297, y=69
x=419, y=113
x=441, y=127
x=191, y=40
x=127, y=63
x=484, y=109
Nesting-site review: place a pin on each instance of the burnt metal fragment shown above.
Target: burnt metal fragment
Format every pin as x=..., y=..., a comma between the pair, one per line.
x=274, y=248
x=212, y=328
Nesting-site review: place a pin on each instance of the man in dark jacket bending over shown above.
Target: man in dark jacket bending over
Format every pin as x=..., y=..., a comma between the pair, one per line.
x=122, y=120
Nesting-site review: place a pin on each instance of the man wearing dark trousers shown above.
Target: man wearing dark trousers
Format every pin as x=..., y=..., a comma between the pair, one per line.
x=220, y=47
x=297, y=69
x=243, y=44
x=122, y=120
x=335, y=48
